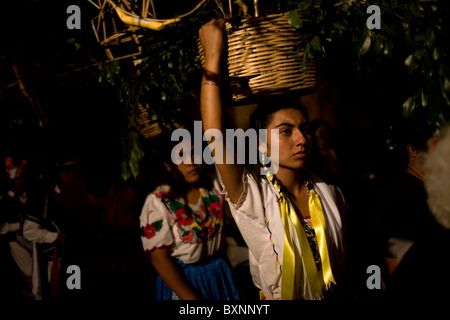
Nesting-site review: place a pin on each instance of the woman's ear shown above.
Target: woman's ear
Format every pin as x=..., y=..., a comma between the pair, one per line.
x=262, y=147
x=167, y=166
x=411, y=150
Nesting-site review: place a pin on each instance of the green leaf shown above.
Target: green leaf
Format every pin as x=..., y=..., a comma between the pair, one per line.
x=379, y=44
x=215, y=198
x=414, y=10
x=158, y=225
x=114, y=66
x=387, y=51
x=185, y=233
x=308, y=50
x=428, y=66
x=409, y=38
x=365, y=42
x=206, y=201
x=176, y=205
x=411, y=63
x=134, y=162
x=295, y=20
x=125, y=170
x=438, y=53
x=408, y=107
x=315, y=44
x=407, y=16
x=419, y=53
x=424, y=98
x=429, y=38
x=447, y=85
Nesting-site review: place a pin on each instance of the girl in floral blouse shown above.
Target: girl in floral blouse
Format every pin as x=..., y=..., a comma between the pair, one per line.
x=181, y=225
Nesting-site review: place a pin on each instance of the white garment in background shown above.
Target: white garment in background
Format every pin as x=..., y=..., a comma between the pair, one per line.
x=35, y=233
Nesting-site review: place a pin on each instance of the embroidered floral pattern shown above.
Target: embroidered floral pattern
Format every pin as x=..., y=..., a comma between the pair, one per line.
x=150, y=230
x=195, y=225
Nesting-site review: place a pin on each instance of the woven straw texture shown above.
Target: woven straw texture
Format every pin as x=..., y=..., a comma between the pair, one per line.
x=262, y=58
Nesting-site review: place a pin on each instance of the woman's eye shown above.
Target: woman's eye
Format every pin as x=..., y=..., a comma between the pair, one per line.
x=286, y=131
x=305, y=129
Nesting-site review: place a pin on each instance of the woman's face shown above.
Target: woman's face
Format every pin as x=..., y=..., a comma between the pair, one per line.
x=188, y=172
x=191, y=172
x=323, y=137
x=294, y=140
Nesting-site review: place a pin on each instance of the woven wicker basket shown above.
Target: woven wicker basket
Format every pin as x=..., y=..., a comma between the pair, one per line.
x=262, y=59
x=148, y=126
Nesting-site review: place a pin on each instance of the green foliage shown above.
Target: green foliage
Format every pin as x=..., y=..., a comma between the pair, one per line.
x=415, y=33
x=159, y=79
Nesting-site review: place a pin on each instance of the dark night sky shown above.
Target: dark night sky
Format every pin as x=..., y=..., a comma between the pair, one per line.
x=80, y=113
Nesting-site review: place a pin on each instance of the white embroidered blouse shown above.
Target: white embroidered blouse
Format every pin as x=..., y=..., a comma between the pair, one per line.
x=193, y=232
x=257, y=215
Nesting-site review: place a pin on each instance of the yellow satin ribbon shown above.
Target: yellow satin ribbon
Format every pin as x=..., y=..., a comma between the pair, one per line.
x=292, y=262
x=320, y=227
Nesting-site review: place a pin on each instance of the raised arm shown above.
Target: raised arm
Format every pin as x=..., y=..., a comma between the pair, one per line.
x=212, y=39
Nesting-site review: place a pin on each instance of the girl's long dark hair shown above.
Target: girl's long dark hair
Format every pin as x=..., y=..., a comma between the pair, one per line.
x=268, y=105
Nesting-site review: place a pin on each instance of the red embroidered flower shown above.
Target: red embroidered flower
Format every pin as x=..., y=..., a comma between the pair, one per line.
x=149, y=231
x=183, y=217
x=215, y=209
x=159, y=194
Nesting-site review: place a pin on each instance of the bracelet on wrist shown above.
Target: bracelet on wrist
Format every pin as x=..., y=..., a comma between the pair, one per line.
x=211, y=83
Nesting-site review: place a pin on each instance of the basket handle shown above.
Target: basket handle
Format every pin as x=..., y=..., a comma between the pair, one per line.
x=255, y=6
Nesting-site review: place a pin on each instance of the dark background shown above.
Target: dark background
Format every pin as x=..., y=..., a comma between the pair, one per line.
x=75, y=112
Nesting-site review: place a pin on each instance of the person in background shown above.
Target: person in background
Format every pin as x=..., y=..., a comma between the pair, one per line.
x=422, y=274
x=182, y=227
x=14, y=209
x=403, y=213
x=52, y=226
x=324, y=159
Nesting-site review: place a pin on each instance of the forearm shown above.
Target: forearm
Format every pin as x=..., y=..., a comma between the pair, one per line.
x=172, y=277
x=211, y=36
x=210, y=96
